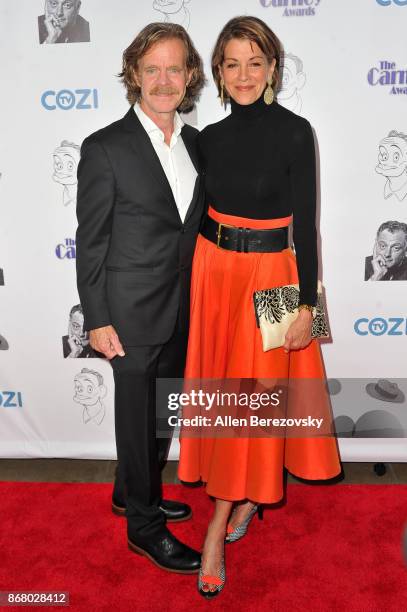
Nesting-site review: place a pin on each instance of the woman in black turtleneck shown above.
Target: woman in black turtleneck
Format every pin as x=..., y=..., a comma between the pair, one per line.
x=259, y=166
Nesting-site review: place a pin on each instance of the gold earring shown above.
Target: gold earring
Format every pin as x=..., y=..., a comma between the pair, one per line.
x=269, y=94
x=222, y=95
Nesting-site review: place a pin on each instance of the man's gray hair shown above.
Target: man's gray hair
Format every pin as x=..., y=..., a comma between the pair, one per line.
x=393, y=226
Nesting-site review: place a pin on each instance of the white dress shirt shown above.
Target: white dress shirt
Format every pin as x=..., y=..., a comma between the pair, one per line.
x=174, y=159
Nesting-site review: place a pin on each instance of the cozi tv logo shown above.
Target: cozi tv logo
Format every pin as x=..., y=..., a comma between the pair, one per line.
x=388, y=2
x=65, y=99
x=378, y=326
x=11, y=399
x=385, y=74
x=293, y=8
x=66, y=249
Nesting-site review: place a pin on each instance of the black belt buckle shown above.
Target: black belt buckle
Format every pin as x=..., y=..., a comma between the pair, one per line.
x=242, y=240
x=219, y=234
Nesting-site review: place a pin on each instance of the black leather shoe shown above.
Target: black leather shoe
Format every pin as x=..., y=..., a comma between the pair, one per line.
x=174, y=511
x=166, y=552
x=118, y=509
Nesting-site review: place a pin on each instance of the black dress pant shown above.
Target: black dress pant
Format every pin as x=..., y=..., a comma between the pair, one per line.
x=141, y=455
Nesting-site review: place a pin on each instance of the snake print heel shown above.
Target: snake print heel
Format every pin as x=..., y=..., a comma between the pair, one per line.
x=233, y=535
x=212, y=581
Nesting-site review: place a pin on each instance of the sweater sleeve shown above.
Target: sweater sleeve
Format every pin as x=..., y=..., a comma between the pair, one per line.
x=303, y=199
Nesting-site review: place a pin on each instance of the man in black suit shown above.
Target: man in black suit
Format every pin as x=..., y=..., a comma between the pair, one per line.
x=61, y=23
x=139, y=208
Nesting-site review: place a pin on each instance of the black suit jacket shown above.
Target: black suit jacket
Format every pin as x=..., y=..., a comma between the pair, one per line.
x=133, y=252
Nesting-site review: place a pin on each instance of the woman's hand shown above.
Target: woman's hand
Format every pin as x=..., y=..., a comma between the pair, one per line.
x=298, y=335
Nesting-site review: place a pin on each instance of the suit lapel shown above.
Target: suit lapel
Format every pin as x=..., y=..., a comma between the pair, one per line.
x=189, y=140
x=195, y=198
x=142, y=146
x=190, y=145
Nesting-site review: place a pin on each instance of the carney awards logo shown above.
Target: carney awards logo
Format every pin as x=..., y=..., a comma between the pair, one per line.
x=386, y=74
x=66, y=99
x=66, y=249
x=293, y=8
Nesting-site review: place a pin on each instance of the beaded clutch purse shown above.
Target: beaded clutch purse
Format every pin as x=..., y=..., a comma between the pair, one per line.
x=277, y=308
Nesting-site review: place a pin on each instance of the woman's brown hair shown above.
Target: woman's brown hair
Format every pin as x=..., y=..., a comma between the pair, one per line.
x=248, y=28
x=154, y=33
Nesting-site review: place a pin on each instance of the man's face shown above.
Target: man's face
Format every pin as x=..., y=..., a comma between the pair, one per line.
x=87, y=389
x=76, y=326
x=64, y=11
x=391, y=246
x=66, y=160
x=162, y=76
x=168, y=6
x=392, y=156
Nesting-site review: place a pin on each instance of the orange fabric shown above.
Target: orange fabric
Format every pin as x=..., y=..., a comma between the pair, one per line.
x=224, y=342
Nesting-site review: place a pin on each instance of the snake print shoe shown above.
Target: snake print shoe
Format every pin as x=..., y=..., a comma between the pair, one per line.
x=233, y=535
x=215, y=582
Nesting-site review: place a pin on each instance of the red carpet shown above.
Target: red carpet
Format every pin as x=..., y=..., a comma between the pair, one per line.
x=328, y=548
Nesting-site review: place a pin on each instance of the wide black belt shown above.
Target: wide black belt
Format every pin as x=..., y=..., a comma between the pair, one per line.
x=245, y=239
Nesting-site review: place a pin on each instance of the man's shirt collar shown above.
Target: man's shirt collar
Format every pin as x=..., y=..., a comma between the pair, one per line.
x=152, y=128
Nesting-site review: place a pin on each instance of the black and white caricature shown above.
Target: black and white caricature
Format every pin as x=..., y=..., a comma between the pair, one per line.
x=76, y=344
x=3, y=344
x=175, y=11
x=389, y=259
x=89, y=392
x=61, y=23
x=66, y=159
x=393, y=164
x=292, y=81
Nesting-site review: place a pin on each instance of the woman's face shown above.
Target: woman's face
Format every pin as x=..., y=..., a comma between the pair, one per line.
x=245, y=70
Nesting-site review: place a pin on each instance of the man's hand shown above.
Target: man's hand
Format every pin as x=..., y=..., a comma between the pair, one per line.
x=106, y=341
x=53, y=27
x=298, y=335
x=379, y=265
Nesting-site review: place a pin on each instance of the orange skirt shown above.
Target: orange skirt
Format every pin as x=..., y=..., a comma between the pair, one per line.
x=224, y=342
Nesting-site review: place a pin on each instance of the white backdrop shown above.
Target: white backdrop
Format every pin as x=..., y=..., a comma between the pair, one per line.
x=333, y=49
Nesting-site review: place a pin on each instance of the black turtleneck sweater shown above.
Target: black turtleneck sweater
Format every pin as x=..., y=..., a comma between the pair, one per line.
x=259, y=163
